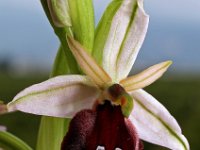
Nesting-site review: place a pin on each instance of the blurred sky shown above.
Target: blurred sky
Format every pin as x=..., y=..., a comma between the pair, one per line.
x=27, y=39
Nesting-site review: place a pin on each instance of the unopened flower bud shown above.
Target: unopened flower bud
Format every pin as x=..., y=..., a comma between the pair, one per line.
x=59, y=10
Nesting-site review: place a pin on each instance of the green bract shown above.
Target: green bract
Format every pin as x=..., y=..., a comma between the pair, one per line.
x=59, y=10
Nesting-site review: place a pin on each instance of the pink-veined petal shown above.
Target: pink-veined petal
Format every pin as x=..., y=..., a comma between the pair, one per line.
x=88, y=64
x=155, y=124
x=127, y=33
x=146, y=77
x=62, y=96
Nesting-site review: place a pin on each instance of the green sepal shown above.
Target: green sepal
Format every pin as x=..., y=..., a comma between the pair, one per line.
x=11, y=142
x=82, y=17
x=103, y=28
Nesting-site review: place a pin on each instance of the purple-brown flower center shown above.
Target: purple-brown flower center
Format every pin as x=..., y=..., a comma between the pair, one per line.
x=105, y=126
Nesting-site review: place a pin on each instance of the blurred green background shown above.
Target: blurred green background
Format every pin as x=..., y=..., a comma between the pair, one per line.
x=179, y=95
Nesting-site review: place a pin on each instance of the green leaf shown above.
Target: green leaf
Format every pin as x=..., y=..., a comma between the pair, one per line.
x=103, y=29
x=51, y=133
x=10, y=142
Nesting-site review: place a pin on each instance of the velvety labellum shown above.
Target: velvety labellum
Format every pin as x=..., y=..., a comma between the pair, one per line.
x=105, y=126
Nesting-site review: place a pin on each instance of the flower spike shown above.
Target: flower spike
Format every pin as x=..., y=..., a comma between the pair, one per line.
x=88, y=64
x=146, y=77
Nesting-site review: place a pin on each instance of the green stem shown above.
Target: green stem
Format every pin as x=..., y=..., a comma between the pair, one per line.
x=61, y=33
x=10, y=142
x=52, y=130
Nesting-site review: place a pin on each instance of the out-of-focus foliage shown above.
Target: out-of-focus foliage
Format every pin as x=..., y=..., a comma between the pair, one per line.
x=181, y=97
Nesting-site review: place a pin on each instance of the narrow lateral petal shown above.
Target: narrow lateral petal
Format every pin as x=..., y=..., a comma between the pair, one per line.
x=88, y=64
x=62, y=96
x=146, y=77
x=155, y=124
x=127, y=32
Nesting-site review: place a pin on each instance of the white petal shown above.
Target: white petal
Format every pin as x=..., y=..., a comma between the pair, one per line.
x=133, y=42
x=125, y=38
x=61, y=96
x=155, y=124
x=145, y=77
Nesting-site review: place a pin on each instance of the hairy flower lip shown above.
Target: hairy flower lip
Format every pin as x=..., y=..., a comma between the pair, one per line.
x=103, y=126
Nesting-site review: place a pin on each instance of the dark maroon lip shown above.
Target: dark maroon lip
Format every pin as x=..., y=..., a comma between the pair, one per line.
x=105, y=126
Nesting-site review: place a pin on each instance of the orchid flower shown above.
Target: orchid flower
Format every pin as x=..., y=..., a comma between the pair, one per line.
x=109, y=109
